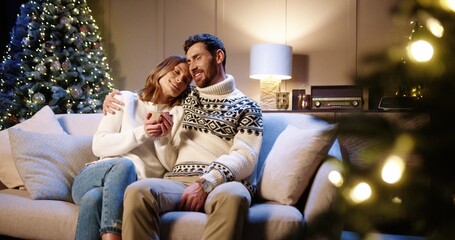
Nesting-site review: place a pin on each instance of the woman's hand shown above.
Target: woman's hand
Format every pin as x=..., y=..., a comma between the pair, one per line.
x=167, y=123
x=157, y=127
x=111, y=104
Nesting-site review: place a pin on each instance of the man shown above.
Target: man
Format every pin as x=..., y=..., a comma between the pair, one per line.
x=218, y=146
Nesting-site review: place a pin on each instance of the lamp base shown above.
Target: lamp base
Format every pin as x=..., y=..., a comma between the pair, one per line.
x=269, y=88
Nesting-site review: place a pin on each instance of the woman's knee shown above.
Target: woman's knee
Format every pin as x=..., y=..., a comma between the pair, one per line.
x=124, y=170
x=125, y=164
x=93, y=199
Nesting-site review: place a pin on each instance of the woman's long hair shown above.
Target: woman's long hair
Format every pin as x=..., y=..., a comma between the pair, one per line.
x=151, y=91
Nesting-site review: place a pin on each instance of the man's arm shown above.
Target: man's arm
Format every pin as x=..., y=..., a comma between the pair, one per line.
x=241, y=160
x=111, y=104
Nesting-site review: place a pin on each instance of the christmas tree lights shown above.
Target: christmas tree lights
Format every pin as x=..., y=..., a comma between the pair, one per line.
x=55, y=57
x=409, y=186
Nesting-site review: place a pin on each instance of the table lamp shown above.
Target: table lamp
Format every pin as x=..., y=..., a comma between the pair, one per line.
x=271, y=63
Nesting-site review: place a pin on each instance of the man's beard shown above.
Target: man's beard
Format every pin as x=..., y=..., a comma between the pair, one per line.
x=210, y=73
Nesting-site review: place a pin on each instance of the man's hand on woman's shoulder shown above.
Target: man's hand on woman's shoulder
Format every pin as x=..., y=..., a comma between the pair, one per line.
x=111, y=104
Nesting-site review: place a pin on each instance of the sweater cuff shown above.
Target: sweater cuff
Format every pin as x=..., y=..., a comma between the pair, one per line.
x=214, y=177
x=140, y=135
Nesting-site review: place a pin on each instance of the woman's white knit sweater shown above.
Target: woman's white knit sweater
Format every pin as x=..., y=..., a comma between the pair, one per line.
x=221, y=134
x=122, y=135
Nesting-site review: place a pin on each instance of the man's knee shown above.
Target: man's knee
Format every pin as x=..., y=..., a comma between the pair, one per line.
x=133, y=195
x=138, y=195
x=233, y=193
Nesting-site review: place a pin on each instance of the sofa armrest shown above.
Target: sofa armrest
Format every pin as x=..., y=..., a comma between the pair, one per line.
x=323, y=193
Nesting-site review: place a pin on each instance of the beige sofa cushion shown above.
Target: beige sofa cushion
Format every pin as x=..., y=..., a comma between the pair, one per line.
x=48, y=163
x=44, y=121
x=293, y=160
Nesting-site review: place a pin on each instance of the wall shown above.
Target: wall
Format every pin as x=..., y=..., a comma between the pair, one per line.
x=327, y=36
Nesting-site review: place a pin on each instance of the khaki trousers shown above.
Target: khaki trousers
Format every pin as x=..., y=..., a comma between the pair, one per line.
x=145, y=200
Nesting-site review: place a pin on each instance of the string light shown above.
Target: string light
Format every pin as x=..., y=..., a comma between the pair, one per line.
x=361, y=192
x=435, y=27
x=420, y=51
x=393, y=169
x=448, y=4
x=336, y=178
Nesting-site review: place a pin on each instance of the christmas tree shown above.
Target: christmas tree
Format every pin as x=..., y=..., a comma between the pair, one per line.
x=55, y=58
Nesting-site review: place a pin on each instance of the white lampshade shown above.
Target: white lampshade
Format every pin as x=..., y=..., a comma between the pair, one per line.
x=271, y=61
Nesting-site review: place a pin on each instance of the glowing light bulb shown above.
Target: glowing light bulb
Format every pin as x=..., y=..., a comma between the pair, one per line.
x=396, y=200
x=335, y=178
x=361, y=192
x=393, y=169
x=449, y=4
x=420, y=51
x=435, y=27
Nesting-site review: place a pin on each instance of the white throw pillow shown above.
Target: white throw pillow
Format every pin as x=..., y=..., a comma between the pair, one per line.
x=44, y=121
x=292, y=162
x=48, y=163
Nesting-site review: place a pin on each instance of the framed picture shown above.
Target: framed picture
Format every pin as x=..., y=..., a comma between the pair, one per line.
x=298, y=99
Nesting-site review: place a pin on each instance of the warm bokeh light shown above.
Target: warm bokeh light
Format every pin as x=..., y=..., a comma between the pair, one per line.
x=435, y=27
x=420, y=51
x=448, y=4
x=404, y=145
x=396, y=200
x=336, y=178
x=361, y=192
x=393, y=169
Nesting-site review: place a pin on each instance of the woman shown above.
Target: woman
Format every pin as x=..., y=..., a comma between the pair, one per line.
x=132, y=144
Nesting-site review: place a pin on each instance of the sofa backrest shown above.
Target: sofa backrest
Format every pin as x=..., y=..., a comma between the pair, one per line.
x=274, y=124
x=80, y=123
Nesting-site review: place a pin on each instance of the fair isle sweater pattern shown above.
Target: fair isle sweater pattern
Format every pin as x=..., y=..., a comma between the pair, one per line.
x=222, y=117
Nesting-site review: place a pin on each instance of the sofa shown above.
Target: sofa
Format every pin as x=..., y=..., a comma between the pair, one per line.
x=297, y=154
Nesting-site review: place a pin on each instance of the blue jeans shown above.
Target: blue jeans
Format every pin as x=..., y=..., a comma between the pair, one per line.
x=98, y=190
